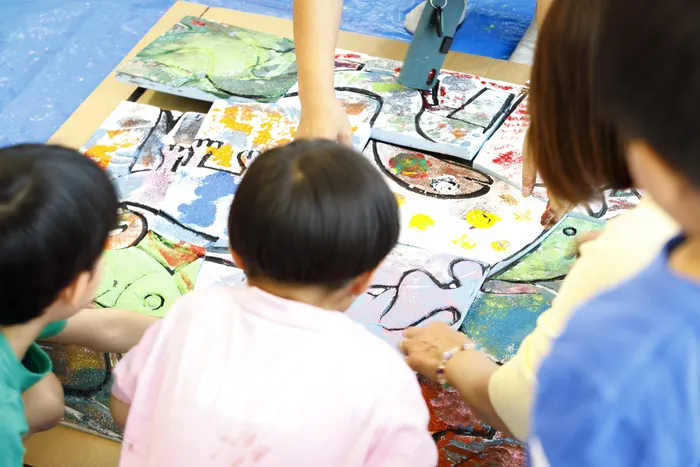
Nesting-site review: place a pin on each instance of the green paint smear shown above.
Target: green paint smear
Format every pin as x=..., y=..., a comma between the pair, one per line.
x=386, y=87
x=139, y=278
x=410, y=164
x=499, y=323
x=552, y=258
x=219, y=59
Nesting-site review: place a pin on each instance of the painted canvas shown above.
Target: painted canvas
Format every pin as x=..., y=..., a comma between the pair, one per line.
x=457, y=119
x=502, y=155
x=414, y=287
x=228, y=141
x=518, y=291
x=139, y=145
x=144, y=270
x=450, y=207
x=206, y=60
x=219, y=270
x=87, y=380
x=462, y=439
x=612, y=203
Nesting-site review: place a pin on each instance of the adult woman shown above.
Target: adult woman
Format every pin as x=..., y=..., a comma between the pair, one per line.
x=565, y=138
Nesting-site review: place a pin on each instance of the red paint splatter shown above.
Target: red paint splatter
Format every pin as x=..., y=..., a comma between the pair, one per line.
x=397, y=70
x=448, y=411
x=199, y=23
x=508, y=158
x=442, y=101
x=501, y=86
x=443, y=91
x=348, y=56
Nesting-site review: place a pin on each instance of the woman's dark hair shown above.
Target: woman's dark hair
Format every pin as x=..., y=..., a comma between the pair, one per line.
x=575, y=151
x=648, y=68
x=57, y=208
x=312, y=213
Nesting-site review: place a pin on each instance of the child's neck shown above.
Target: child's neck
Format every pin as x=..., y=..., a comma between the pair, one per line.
x=21, y=336
x=320, y=297
x=685, y=259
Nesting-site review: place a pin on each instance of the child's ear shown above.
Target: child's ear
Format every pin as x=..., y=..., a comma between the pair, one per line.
x=74, y=294
x=238, y=260
x=362, y=283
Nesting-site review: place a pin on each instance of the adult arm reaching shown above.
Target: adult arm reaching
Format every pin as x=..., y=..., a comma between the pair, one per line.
x=316, y=24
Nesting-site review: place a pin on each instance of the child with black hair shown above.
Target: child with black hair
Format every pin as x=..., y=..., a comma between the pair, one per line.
x=274, y=373
x=56, y=211
x=621, y=385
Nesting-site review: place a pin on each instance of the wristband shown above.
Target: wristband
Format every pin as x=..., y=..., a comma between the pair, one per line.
x=441, y=379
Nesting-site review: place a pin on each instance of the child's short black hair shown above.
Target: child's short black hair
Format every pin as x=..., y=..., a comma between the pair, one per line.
x=57, y=208
x=313, y=213
x=648, y=71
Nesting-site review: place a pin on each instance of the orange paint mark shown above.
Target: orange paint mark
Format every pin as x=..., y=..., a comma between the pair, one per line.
x=114, y=133
x=102, y=155
x=459, y=134
x=354, y=108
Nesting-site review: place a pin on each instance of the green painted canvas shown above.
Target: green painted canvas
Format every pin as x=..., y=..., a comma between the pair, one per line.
x=206, y=60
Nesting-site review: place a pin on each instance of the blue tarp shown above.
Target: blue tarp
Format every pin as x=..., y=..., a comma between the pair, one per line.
x=53, y=53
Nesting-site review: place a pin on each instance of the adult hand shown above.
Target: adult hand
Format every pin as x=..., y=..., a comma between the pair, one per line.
x=555, y=209
x=424, y=347
x=325, y=120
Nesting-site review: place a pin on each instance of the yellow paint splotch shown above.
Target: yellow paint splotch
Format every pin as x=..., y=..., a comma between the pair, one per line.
x=273, y=120
x=400, y=199
x=222, y=156
x=524, y=216
x=501, y=245
x=480, y=219
x=464, y=242
x=235, y=118
x=421, y=222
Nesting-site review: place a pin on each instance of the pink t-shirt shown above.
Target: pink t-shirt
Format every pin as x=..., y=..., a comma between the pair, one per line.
x=234, y=376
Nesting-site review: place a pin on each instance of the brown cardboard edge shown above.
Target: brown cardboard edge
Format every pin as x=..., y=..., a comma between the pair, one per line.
x=96, y=108
x=66, y=447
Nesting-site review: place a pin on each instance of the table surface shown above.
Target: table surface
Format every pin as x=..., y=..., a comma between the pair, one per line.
x=65, y=447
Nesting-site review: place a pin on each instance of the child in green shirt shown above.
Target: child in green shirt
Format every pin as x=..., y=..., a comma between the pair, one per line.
x=57, y=209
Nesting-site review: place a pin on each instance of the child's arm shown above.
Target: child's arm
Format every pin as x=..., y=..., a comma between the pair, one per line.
x=119, y=410
x=105, y=329
x=316, y=25
x=127, y=372
x=44, y=405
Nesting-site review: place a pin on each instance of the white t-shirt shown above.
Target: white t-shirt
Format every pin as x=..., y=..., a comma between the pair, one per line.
x=235, y=376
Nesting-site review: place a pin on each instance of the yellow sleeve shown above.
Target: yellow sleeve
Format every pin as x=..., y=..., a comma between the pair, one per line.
x=628, y=243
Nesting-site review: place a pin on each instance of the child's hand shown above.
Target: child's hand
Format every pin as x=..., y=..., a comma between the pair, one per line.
x=325, y=119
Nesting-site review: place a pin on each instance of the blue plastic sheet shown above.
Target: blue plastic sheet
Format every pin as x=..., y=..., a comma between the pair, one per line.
x=53, y=53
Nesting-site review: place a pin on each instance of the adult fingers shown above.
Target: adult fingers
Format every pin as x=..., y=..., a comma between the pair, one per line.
x=529, y=178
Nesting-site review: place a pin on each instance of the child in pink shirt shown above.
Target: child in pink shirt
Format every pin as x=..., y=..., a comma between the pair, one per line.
x=274, y=374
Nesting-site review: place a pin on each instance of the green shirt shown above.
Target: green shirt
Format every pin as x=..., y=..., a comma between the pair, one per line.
x=15, y=378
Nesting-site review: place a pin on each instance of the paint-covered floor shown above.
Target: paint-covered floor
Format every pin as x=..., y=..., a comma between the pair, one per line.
x=53, y=53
